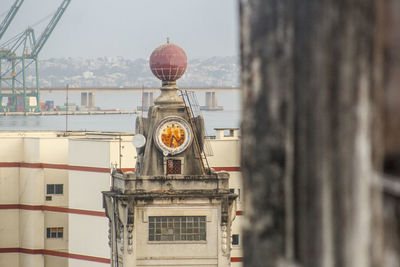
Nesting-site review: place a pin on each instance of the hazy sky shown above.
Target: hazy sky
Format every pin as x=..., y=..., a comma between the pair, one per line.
x=131, y=28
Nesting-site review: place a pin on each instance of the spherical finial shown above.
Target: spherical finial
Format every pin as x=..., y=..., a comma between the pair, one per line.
x=168, y=62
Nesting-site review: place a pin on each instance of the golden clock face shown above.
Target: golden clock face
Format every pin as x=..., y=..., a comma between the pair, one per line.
x=173, y=135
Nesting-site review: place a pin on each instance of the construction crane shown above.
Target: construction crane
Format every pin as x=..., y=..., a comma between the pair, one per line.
x=18, y=54
x=10, y=15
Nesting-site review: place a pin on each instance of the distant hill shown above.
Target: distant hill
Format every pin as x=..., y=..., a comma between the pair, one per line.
x=117, y=71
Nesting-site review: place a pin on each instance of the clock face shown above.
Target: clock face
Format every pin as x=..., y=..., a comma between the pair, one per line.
x=173, y=135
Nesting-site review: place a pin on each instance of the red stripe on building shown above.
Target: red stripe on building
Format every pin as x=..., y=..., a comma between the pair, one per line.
x=227, y=169
x=53, y=166
x=128, y=169
x=54, y=253
x=83, y=168
x=236, y=259
x=10, y=206
x=75, y=211
x=9, y=250
x=239, y=212
x=87, y=169
x=64, y=167
x=9, y=164
x=52, y=209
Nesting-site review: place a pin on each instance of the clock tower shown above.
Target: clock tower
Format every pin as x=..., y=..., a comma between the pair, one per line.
x=173, y=210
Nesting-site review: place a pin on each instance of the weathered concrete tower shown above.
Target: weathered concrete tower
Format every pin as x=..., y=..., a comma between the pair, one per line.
x=173, y=210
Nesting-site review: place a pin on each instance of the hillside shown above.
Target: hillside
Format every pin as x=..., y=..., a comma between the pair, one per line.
x=117, y=71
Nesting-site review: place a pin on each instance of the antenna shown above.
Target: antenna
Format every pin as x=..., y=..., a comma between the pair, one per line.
x=120, y=152
x=66, y=113
x=142, y=99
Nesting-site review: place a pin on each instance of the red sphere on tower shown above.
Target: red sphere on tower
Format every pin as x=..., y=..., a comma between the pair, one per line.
x=168, y=62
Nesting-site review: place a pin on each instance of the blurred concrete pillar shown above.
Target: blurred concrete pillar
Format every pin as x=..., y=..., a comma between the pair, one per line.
x=392, y=133
x=311, y=81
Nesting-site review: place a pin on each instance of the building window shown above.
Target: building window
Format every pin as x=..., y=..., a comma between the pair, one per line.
x=174, y=166
x=55, y=232
x=177, y=228
x=54, y=189
x=235, y=240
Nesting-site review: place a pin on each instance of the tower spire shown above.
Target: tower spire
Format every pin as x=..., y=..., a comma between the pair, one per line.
x=168, y=63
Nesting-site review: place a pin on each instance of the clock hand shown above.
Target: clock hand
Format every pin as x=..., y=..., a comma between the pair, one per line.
x=172, y=139
x=176, y=139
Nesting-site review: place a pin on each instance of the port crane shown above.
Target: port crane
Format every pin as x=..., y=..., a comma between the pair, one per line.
x=17, y=56
x=10, y=16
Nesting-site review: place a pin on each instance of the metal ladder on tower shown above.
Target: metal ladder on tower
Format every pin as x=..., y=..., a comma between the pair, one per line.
x=192, y=108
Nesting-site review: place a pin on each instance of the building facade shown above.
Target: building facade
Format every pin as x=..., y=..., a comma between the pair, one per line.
x=51, y=211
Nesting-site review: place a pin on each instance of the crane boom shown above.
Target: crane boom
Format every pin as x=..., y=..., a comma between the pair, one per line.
x=49, y=29
x=10, y=16
x=21, y=53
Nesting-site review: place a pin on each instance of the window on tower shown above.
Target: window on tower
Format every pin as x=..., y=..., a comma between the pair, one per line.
x=174, y=166
x=177, y=228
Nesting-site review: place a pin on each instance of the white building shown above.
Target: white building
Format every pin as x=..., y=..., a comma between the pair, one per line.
x=51, y=211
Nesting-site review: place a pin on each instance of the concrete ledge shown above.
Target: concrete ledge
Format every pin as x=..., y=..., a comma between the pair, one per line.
x=129, y=183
